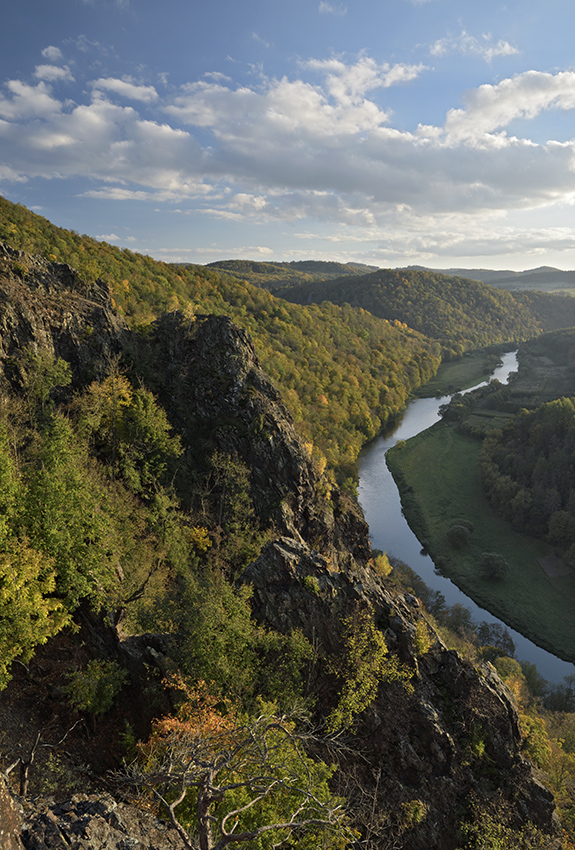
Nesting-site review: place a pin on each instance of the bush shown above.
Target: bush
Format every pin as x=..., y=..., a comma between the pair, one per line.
x=492, y=566
x=95, y=688
x=458, y=536
x=311, y=584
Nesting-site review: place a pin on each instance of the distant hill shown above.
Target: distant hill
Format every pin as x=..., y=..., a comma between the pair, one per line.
x=279, y=276
x=542, y=279
x=460, y=312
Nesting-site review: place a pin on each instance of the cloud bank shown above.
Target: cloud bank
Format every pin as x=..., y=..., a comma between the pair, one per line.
x=321, y=146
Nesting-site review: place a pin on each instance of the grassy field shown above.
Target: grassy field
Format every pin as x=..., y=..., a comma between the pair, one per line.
x=460, y=374
x=441, y=467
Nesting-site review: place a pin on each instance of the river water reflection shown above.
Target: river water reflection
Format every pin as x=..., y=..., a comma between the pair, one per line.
x=379, y=499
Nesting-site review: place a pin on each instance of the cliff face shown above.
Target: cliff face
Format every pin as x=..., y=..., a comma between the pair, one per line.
x=417, y=758
x=209, y=380
x=454, y=738
x=46, y=307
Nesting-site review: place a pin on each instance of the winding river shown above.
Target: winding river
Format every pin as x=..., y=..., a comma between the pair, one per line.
x=389, y=531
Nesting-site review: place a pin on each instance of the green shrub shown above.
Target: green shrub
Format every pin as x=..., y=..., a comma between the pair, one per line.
x=311, y=583
x=94, y=689
x=458, y=536
x=492, y=566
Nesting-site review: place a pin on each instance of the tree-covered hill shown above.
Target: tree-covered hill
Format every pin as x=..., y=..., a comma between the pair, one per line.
x=542, y=279
x=278, y=277
x=462, y=314
x=343, y=372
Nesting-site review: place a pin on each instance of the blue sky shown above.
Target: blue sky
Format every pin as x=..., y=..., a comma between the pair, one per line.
x=389, y=132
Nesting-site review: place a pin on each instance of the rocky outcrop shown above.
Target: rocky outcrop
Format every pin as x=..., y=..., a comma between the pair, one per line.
x=10, y=820
x=47, y=307
x=93, y=822
x=451, y=738
x=208, y=377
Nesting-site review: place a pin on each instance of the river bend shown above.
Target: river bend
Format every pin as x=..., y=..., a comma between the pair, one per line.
x=389, y=531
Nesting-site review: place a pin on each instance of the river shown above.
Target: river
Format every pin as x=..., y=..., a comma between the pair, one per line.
x=389, y=531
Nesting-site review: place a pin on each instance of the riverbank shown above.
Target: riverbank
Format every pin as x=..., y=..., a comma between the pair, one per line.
x=437, y=473
x=461, y=374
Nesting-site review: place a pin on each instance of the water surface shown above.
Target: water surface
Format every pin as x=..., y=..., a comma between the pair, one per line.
x=389, y=531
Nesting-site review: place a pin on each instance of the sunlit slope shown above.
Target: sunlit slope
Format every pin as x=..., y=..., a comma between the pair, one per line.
x=342, y=371
x=460, y=313
x=278, y=277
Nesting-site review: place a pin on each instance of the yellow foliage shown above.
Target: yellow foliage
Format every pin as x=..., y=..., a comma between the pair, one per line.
x=29, y=615
x=200, y=539
x=381, y=564
x=422, y=638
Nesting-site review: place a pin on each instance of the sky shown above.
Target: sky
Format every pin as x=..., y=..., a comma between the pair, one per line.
x=387, y=132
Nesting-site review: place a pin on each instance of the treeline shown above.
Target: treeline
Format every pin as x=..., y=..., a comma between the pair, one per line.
x=528, y=471
x=343, y=372
x=278, y=277
x=462, y=314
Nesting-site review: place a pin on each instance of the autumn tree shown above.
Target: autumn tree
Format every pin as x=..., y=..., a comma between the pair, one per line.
x=225, y=779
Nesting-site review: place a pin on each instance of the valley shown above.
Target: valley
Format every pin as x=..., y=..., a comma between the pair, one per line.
x=186, y=574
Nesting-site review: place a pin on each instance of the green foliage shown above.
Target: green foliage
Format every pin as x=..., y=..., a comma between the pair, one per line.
x=413, y=813
x=422, y=639
x=311, y=583
x=458, y=536
x=461, y=313
x=363, y=664
x=216, y=640
x=278, y=277
x=528, y=472
x=381, y=564
x=491, y=827
x=129, y=430
x=63, y=516
x=43, y=374
x=29, y=614
x=268, y=790
x=94, y=689
x=492, y=566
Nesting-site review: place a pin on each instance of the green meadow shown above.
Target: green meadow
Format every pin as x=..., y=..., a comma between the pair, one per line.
x=460, y=374
x=437, y=473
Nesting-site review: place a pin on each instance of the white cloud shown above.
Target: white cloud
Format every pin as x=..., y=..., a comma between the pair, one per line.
x=260, y=40
x=329, y=9
x=126, y=88
x=52, y=73
x=293, y=150
x=470, y=45
x=108, y=237
x=490, y=107
x=53, y=54
x=347, y=82
x=27, y=101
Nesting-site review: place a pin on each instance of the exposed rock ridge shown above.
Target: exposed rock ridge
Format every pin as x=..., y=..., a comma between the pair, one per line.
x=46, y=306
x=457, y=734
x=214, y=389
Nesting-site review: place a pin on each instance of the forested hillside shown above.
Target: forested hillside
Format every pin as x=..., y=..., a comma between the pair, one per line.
x=278, y=277
x=343, y=372
x=461, y=314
